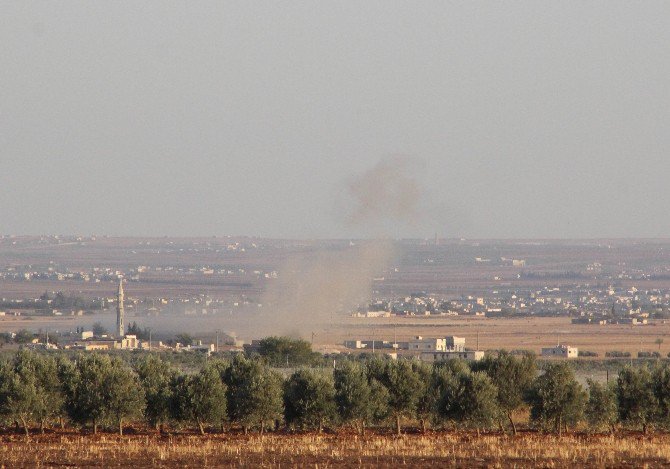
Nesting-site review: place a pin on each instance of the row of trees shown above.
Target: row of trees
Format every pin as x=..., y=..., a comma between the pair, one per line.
x=37, y=390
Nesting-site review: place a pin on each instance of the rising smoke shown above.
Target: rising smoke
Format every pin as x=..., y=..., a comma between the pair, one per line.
x=389, y=192
x=314, y=289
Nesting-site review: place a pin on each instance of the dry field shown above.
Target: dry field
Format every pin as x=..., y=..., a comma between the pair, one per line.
x=525, y=333
x=335, y=450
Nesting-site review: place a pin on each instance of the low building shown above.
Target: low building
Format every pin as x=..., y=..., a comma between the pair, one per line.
x=436, y=357
x=101, y=344
x=419, y=344
x=455, y=344
x=632, y=321
x=206, y=349
x=445, y=344
x=129, y=342
x=378, y=314
x=562, y=351
x=354, y=344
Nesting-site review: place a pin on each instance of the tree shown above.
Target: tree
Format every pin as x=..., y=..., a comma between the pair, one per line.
x=444, y=386
x=184, y=339
x=103, y=390
x=635, y=397
x=86, y=399
x=309, y=399
x=379, y=402
x=601, y=408
x=156, y=377
x=50, y=398
x=660, y=378
x=426, y=403
x=30, y=390
x=404, y=387
x=280, y=351
x=556, y=398
x=353, y=394
x=477, y=405
x=124, y=394
x=17, y=397
x=254, y=393
x=99, y=329
x=134, y=329
x=67, y=378
x=23, y=336
x=468, y=397
x=200, y=398
x=513, y=378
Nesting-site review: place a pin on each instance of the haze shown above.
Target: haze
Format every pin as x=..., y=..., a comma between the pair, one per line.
x=518, y=119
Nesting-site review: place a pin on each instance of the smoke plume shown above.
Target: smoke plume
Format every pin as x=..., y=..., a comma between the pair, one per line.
x=314, y=289
x=390, y=191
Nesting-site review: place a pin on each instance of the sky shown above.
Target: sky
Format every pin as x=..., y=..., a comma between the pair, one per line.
x=511, y=119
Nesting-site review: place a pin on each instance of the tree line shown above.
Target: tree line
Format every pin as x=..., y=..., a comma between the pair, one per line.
x=92, y=390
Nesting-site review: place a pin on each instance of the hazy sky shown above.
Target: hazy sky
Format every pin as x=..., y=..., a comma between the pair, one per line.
x=525, y=119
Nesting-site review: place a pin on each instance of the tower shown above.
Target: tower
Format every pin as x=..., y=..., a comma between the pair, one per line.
x=120, y=329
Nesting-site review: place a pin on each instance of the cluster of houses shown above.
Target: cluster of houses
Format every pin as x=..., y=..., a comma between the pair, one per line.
x=442, y=349
x=87, y=341
x=56, y=273
x=584, y=303
x=426, y=349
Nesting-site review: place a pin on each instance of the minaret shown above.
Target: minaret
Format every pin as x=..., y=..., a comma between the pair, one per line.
x=120, y=329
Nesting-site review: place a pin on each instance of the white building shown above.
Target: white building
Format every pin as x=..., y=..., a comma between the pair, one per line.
x=129, y=342
x=563, y=351
x=419, y=344
x=455, y=344
x=444, y=344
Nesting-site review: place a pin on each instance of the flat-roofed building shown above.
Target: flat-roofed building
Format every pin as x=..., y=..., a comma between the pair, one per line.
x=442, y=344
x=420, y=344
x=563, y=351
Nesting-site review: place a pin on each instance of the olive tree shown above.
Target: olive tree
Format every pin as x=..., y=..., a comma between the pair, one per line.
x=200, y=398
x=254, y=393
x=18, y=397
x=660, y=378
x=601, y=408
x=123, y=393
x=556, y=398
x=309, y=399
x=513, y=378
x=425, y=406
x=404, y=387
x=353, y=394
x=635, y=397
x=103, y=390
x=30, y=390
x=468, y=397
x=156, y=377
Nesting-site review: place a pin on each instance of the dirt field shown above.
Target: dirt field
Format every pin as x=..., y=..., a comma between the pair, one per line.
x=527, y=333
x=335, y=450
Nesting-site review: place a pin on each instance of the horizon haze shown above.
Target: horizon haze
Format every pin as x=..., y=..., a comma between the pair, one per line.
x=305, y=120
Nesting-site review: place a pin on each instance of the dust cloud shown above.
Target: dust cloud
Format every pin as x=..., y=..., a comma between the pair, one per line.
x=315, y=289
x=390, y=191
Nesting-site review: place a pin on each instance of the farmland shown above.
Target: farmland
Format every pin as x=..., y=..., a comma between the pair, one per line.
x=334, y=450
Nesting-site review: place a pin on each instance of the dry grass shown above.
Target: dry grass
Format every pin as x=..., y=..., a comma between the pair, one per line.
x=441, y=449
